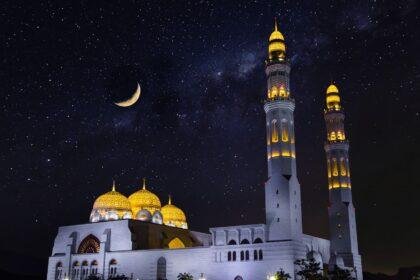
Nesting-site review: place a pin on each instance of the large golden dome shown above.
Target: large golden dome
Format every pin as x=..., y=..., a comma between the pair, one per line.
x=144, y=199
x=112, y=203
x=173, y=216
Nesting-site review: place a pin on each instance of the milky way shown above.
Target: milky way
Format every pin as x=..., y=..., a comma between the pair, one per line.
x=198, y=130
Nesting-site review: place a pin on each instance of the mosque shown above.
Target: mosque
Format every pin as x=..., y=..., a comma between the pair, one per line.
x=141, y=239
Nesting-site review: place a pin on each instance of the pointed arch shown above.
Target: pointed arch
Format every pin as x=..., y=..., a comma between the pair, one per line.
x=176, y=243
x=274, y=132
x=284, y=131
x=89, y=245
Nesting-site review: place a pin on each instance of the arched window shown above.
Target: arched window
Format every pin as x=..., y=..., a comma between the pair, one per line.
x=260, y=254
x=247, y=255
x=94, y=267
x=258, y=240
x=274, y=92
x=332, y=136
x=161, y=269
x=234, y=256
x=58, y=270
x=85, y=270
x=343, y=168
x=75, y=270
x=89, y=245
x=329, y=168
x=245, y=241
x=284, y=131
x=335, y=167
x=255, y=255
x=232, y=242
x=112, y=268
x=282, y=91
x=242, y=256
x=229, y=256
x=274, y=132
x=238, y=278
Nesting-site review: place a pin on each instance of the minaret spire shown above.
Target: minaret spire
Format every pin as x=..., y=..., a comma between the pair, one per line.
x=282, y=190
x=342, y=217
x=113, y=185
x=144, y=183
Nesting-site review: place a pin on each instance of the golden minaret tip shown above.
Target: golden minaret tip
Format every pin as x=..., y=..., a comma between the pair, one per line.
x=275, y=24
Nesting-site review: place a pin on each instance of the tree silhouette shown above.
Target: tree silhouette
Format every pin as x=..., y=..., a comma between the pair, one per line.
x=281, y=275
x=185, y=276
x=309, y=269
x=340, y=274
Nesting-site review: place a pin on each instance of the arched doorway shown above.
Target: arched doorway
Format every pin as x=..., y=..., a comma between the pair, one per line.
x=161, y=269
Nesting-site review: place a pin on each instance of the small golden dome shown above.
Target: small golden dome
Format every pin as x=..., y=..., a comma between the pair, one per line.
x=332, y=89
x=276, y=34
x=333, y=98
x=113, y=201
x=276, y=45
x=144, y=199
x=173, y=216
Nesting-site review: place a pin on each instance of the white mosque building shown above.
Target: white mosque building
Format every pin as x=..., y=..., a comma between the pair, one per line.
x=141, y=239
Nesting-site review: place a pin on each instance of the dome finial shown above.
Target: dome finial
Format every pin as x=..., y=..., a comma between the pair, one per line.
x=170, y=200
x=144, y=183
x=275, y=24
x=113, y=185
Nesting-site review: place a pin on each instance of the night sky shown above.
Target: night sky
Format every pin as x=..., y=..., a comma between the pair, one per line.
x=198, y=130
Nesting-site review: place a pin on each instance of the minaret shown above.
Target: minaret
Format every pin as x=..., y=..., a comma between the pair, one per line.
x=343, y=232
x=282, y=190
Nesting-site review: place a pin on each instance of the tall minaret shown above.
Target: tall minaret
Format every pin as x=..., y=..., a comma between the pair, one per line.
x=282, y=191
x=343, y=232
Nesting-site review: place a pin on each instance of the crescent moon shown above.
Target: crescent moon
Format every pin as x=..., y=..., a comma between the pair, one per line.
x=133, y=99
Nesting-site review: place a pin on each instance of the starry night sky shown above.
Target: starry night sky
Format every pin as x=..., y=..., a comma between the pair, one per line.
x=198, y=130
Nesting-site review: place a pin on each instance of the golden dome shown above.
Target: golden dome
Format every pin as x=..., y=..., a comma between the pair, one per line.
x=113, y=201
x=173, y=216
x=332, y=88
x=144, y=199
x=333, y=98
x=276, y=45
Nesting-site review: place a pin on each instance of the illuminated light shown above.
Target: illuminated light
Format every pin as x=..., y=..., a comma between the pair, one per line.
x=332, y=136
x=348, y=168
x=333, y=98
x=329, y=168
x=284, y=132
x=335, y=167
x=336, y=185
x=283, y=92
x=176, y=243
x=274, y=132
x=274, y=92
x=276, y=46
x=285, y=153
x=275, y=154
x=293, y=154
x=332, y=89
x=343, y=168
x=144, y=199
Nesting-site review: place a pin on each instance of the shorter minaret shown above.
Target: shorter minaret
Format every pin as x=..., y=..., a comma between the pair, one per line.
x=343, y=232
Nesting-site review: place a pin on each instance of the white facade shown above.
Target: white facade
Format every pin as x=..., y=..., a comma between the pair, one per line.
x=215, y=258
